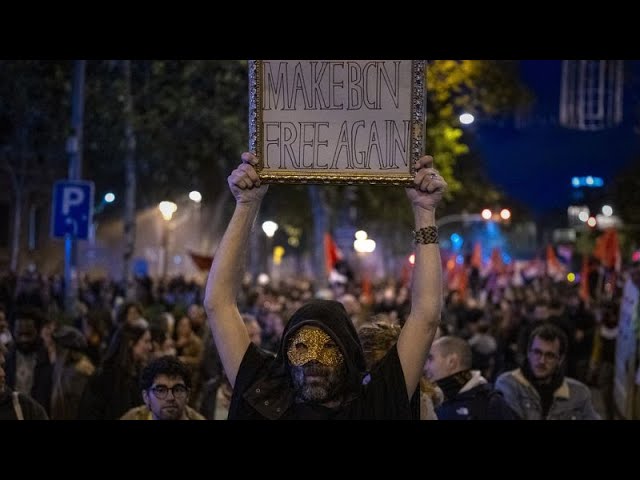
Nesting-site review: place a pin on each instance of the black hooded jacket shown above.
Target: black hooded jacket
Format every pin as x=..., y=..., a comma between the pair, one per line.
x=264, y=390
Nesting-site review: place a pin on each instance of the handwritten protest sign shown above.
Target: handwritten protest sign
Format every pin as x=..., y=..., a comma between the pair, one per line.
x=337, y=121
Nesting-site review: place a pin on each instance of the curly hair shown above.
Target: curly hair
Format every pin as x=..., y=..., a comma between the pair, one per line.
x=376, y=339
x=167, y=365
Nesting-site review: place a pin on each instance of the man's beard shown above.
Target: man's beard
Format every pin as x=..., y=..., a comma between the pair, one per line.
x=172, y=414
x=327, y=385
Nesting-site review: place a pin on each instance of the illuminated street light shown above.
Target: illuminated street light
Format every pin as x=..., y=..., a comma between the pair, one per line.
x=269, y=228
x=362, y=244
x=109, y=197
x=486, y=214
x=592, y=222
x=167, y=209
x=361, y=235
x=607, y=211
x=195, y=196
x=583, y=216
x=505, y=214
x=467, y=119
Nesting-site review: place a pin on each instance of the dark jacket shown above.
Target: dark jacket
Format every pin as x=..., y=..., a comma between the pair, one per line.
x=42, y=376
x=109, y=394
x=264, y=389
x=477, y=400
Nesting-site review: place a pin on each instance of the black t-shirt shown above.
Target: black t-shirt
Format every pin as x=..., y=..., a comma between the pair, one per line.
x=384, y=397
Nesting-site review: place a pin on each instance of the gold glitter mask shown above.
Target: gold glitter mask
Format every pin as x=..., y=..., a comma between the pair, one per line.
x=311, y=343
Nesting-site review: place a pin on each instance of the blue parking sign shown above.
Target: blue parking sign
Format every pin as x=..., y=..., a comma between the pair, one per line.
x=72, y=210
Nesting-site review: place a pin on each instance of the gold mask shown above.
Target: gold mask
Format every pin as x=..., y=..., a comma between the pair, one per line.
x=311, y=343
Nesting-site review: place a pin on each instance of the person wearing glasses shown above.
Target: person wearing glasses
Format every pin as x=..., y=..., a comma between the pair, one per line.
x=165, y=384
x=539, y=390
x=319, y=366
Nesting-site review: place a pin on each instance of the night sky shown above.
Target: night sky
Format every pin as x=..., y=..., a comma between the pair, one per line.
x=535, y=163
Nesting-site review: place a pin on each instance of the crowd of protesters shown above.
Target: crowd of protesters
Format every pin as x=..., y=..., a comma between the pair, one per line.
x=88, y=365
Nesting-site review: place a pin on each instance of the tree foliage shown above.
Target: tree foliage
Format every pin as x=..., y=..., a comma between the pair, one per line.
x=190, y=121
x=189, y=118
x=34, y=115
x=34, y=99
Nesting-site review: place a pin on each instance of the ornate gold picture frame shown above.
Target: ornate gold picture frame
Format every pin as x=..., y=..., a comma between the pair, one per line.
x=337, y=121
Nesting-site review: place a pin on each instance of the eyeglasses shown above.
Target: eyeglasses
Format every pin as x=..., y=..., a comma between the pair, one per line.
x=161, y=391
x=546, y=355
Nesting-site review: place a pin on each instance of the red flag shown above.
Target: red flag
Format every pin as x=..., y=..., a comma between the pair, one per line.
x=607, y=249
x=331, y=252
x=203, y=262
x=552, y=259
x=476, y=256
x=366, y=288
x=584, y=280
x=554, y=267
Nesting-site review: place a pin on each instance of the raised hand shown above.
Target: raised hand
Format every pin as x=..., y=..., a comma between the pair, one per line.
x=429, y=186
x=244, y=183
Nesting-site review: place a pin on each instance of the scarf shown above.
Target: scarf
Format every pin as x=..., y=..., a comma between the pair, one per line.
x=544, y=388
x=452, y=384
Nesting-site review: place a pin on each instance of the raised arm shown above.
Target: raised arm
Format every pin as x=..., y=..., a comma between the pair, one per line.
x=426, y=291
x=227, y=270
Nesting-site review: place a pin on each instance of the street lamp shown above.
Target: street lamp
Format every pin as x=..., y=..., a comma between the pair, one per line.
x=195, y=196
x=467, y=119
x=486, y=214
x=362, y=244
x=107, y=199
x=167, y=209
x=269, y=228
x=196, y=199
x=363, y=247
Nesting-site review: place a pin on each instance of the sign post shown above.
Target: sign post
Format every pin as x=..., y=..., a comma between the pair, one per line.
x=71, y=219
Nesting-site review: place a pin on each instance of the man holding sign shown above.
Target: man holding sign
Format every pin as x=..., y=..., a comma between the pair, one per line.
x=318, y=371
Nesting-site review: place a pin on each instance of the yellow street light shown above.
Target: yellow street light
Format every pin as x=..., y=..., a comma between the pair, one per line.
x=167, y=209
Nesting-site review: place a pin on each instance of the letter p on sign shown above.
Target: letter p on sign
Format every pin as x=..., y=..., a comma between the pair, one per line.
x=72, y=212
x=71, y=197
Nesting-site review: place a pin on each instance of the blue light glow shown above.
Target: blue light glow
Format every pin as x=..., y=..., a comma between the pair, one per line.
x=456, y=241
x=589, y=181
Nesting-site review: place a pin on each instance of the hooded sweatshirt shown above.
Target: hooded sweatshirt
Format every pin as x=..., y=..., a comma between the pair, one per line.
x=264, y=388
